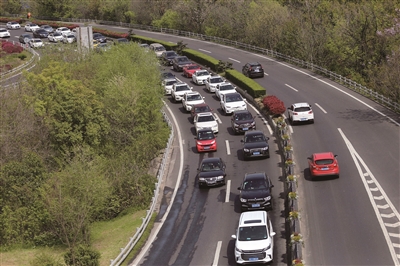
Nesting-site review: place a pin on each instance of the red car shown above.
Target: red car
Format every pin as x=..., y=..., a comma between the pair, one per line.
x=323, y=164
x=190, y=69
x=206, y=140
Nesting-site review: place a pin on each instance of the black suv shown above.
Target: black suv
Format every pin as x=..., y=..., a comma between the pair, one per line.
x=179, y=62
x=255, y=192
x=255, y=144
x=242, y=121
x=211, y=172
x=167, y=56
x=253, y=70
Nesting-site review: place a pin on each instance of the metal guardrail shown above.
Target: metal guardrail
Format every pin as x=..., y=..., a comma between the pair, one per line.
x=161, y=171
x=354, y=86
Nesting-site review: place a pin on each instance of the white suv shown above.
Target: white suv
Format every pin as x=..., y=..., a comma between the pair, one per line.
x=191, y=98
x=178, y=90
x=254, y=238
x=300, y=112
x=205, y=120
x=231, y=102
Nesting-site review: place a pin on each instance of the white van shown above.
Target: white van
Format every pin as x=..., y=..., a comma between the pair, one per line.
x=157, y=48
x=254, y=238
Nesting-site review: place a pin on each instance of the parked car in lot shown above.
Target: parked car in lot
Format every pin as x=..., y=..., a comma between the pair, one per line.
x=253, y=70
x=213, y=81
x=47, y=28
x=242, y=121
x=206, y=140
x=40, y=33
x=205, y=120
x=31, y=27
x=200, y=76
x=167, y=57
x=168, y=84
x=211, y=172
x=231, y=102
x=36, y=43
x=121, y=41
x=157, y=48
x=224, y=88
x=4, y=33
x=179, y=62
x=190, y=69
x=69, y=38
x=254, y=238
x=178, y=90
x=255, y=144
x=25, y=38
x=256, y=192
x=190, y=99
x=99, y=37
x=323, y=164
x=55, y=37
x=13, y=25
x=300, y=112
x=64, y=30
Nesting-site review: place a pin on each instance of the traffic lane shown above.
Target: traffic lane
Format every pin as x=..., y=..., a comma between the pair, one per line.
x=344, y=206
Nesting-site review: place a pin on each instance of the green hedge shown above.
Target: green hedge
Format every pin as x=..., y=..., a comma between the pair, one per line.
x=245, y=83
x=201, y=58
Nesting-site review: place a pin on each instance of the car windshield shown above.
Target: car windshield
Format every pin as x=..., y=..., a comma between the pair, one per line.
x=206, y=118
x=254, y=185
x=233, y=98
x=194, y=97
x=216, y=80
x=57, y=34
x=202, y=73
x=211, y=166
x=324, y=161
x=254, y=138
x=3, y=30
x=159, y=48
x=202, y=109
x=182, y=59
x=170, y=54
x=170, y=82
x=225, y=87
x=243, y=117
x=71, y=36
x=302, y=109
x=205, y=135
x=37, y=40
x=251, y=233
x=182, y=88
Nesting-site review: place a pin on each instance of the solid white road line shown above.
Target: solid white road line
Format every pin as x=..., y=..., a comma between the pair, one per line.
x=217, y=252
x=217, y=117
x=291, y=87
x=228, y=148
x=322, y=109
x=228, y=190
x=205, y=51
x=265, y=73
x=237, y=61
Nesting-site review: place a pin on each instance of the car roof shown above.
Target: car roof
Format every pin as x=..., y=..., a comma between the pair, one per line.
x=252, y=218
x=205, y=114
x=192, y=93
x=200, y=105
x=300, y=105
x=156, y=45
x=232, y=93
x=323, y=155
x=210, y=160
x=170, y=79
x=254, y=63
x=205, y=129
x=253, y=132
x=241, y=112
x=253, y=176
x=181, y=84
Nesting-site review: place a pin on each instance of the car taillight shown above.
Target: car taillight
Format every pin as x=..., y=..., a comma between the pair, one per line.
x=310, y=112
x=295, y=113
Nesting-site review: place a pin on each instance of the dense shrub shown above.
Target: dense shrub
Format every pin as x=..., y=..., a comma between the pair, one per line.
x=274, y=105
x=11, y=48
x=245, y=83
x=111, y=34
x=201, y=58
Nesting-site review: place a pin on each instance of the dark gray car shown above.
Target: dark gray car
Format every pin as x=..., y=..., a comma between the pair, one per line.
x=242, y=121
x=179, y=62
x=255, y=192
x=255, y=144
x=211, y=172
x=25, y=38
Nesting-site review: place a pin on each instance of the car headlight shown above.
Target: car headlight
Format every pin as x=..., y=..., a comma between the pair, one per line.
x=198, y=143
x=221, y=177
x=265, y=148
x=212, y=142
x=243, y=200
x=253, y=123
x=238, y=250
x=267, y=198
x=235, y=125
x=244, y=105
x=268, y=247
x=201, y=179
x=246, y=150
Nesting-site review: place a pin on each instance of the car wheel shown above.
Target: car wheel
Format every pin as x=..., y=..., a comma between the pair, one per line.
x=312, y=121
x=337, y=176
x=244, y=157
x=268, y=155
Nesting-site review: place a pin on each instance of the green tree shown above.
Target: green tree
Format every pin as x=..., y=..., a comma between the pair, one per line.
x=83, y=255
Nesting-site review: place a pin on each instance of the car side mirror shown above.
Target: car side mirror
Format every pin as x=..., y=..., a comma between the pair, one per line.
x=195, y=137
x=241, y=140
x=288, y=108
x=273, y=233
x=267, y=138
x=198, y=169
x=335, y=155
x=244, y=99
x=309, y=158
x=271, y=186
x=233, y=236
x=239, y=188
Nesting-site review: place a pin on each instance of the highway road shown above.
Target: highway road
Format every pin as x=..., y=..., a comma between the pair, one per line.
x=353, y=220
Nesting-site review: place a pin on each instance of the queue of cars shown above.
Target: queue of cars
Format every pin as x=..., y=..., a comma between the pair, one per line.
x=254, y=236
